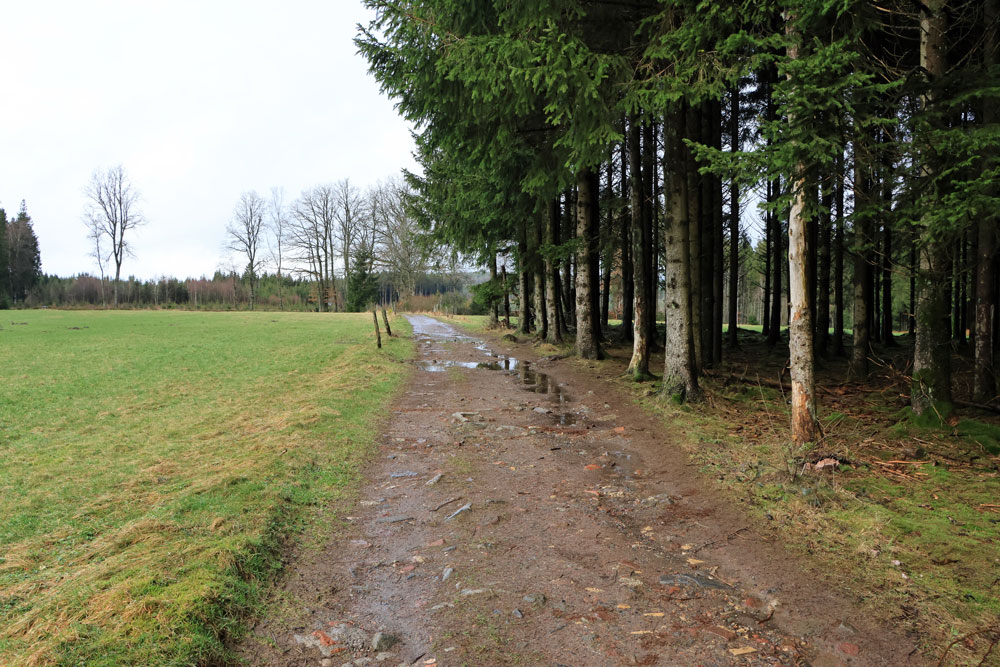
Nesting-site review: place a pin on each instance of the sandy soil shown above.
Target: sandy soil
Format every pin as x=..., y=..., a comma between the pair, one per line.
x=521, y=512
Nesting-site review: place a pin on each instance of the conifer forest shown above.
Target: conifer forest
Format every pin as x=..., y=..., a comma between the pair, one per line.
x=640, y=148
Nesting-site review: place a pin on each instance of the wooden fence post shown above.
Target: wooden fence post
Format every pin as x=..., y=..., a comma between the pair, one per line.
x=378, y=334
x=385, y=319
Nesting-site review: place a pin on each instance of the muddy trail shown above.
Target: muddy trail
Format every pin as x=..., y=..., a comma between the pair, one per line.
x=521, y=512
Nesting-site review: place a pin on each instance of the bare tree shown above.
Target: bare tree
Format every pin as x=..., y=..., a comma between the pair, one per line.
x=101, y=258
x=349, y=215
x=113, y=212
x=399, y=249
x=278, y=226
x=312, y=236
x=245, y=236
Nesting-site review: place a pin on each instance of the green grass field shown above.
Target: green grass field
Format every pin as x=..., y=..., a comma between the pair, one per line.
x=152, y=465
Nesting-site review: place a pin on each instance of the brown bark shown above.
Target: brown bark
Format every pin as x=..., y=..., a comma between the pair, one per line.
x=931, y=350
x=555, y=333
x=524, y=279
x=538, y=269
x=984, y=378
x=588, y=340
x=858, y=367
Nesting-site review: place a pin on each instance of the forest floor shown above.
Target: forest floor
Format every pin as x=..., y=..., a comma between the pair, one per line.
x=526, y=509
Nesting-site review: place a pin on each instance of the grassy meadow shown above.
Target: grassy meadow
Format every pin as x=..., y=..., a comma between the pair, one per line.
x=153, y=463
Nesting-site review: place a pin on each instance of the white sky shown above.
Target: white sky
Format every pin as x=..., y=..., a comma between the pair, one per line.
x=198, y=100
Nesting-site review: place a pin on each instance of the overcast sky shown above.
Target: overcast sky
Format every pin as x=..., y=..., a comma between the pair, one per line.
x=198, y=100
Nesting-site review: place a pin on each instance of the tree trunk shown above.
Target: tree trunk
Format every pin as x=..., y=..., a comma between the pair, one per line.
x=506, y=298
x=823, y=278
x=707, y=227
x=118, y=271
x=638, y=366
x=931, y=351
x=858, y=368
x=552, y=278
x=649, y=243
x=734, y=221
x=495, y=305
x=569, y=279
x=800, y=329
x=538, y=268
x=694, y=218
x=588, y=339
x=524, y=279
x=679, y=374
x=912, y=330
x=887, y=314
x=628, y=279
x=609, y=256
x=777, y=248
x=718, y=241
x=765, y=327
x=984, y=386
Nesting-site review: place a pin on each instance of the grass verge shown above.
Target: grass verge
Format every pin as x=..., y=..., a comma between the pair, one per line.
x=153, y=464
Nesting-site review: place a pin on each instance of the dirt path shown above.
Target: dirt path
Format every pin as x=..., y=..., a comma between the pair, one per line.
x=523, y=513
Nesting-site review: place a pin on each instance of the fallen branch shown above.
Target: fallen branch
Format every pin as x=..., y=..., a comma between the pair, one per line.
x=977, y=406
x=969, y=636
x=447, y=502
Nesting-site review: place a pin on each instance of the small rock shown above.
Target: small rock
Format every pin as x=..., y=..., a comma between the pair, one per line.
x=383, y=641
x=447, y=549
x=849, y=648
x=407, y=473
x=447, y=573
x=534, y=598
x=326, y=662
x=362, y=662
x=517, y=613
x=473, y=591
x=542, y=411
x=509, y=338
x=434, y=480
